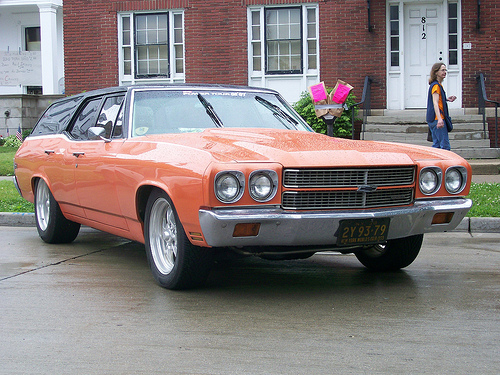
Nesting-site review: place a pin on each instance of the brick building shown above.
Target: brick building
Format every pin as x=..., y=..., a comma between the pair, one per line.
x=286, y=45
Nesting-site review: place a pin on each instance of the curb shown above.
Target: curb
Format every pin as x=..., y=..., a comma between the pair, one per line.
x=17, y=219
x=479, y=225
x=468, y=224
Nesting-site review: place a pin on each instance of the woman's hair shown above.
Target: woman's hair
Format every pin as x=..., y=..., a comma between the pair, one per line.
x=435, y=68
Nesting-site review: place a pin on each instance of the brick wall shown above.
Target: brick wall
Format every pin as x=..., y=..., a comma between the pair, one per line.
x=484, y=57
x=216, y=42
x=349, y=51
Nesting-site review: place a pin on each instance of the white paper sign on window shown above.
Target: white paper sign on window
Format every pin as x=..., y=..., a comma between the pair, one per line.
x=20, y=68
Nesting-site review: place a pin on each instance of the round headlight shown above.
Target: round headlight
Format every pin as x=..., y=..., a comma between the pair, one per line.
x=430, y=180
x=263, y=185
x=455, y=179
x=229, y=186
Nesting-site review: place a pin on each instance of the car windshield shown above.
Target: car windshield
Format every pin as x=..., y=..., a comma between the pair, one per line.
x=167, y=111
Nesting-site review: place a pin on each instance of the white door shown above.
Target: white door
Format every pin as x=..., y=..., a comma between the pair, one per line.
x=423, y=46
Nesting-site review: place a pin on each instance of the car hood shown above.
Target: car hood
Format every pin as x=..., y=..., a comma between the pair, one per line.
x=300, y=148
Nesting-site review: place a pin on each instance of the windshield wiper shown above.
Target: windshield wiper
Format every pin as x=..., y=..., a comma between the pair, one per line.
x=277, y=110
x=210, y=111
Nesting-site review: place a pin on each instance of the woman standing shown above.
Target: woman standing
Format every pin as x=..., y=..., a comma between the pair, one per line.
x=437, y=108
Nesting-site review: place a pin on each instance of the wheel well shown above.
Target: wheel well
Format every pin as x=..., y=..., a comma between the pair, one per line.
x=142, y=199
x=34, y=181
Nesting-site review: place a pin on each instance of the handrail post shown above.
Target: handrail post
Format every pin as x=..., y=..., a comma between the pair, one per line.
x=481, y=96
x=496, y=124
x=482, y=100
x=366, y=108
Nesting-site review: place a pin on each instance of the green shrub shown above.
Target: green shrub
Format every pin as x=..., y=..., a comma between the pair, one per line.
x=342, y=126
x=12, y=141
x=2, y=141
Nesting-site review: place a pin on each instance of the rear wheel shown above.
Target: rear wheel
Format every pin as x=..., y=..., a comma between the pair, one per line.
x=51, y=224
x=174, y=261
x=396, y=254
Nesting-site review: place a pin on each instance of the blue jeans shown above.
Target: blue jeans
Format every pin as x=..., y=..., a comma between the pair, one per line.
x=439, y=136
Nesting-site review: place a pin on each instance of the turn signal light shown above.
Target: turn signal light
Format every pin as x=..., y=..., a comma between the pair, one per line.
x=246, y=230
x=442, y=218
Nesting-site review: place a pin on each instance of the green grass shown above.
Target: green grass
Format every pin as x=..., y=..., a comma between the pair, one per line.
x=7, y=160
x=11, y=201
x=486, y=197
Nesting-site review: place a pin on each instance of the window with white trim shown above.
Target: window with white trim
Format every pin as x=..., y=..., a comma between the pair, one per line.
x=452, y=34
x=283, y=40
x=394, y=38
x=151, y=47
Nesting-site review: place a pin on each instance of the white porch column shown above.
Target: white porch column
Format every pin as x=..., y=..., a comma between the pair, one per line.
x=50, y=52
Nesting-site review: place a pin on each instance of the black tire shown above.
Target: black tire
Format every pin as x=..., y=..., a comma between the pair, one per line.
x=394, y=255
x=51, y=224
x=174, y=261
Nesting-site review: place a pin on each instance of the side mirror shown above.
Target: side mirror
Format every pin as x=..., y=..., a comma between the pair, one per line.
x=96, y=133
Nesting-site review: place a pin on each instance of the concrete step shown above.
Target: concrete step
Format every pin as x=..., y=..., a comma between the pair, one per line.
x=485, y=167
x=481, y=154
x=419, y=118
x=457, y=139
x=468, y=138
x=419, y=128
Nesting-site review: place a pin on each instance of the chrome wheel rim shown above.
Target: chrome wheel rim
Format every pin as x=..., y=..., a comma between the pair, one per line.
x=42, y=205
x=163, y=236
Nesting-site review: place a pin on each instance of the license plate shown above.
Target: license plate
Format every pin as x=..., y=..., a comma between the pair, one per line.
x=362, y=232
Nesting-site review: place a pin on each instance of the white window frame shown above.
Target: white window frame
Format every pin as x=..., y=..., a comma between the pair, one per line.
x=261, y=73
x=173, y=76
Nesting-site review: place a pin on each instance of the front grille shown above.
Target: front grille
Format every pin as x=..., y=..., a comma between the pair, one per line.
x=325, y=178
x=382, y=187
x=317, y=200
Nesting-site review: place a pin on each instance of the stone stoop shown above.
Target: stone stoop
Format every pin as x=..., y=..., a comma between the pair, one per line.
x=466, y=139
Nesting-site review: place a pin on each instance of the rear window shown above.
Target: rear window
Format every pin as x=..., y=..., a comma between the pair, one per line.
x=56, y=118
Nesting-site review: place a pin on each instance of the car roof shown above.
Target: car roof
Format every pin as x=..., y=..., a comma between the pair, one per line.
x=170, y=86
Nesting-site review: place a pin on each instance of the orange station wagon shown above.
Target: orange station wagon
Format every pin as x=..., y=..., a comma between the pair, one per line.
x=190, y=170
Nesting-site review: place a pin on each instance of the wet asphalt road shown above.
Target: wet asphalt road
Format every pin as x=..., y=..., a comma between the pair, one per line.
x=92, y=307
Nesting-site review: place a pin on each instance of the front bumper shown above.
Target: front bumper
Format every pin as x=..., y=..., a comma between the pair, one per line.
x=319, y=228
x=14, y=179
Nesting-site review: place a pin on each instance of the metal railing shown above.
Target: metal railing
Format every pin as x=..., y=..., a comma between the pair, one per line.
x=482, y=100
x=367, y=106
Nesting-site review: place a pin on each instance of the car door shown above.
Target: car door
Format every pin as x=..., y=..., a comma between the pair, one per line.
x=95, y=161
x=51, y=147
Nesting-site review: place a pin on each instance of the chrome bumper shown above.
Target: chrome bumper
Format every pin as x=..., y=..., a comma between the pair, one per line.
x=14, y=179
x=288, y=228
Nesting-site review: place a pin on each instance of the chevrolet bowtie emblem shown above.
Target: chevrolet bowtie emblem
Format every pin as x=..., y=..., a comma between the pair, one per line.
x=367, y=188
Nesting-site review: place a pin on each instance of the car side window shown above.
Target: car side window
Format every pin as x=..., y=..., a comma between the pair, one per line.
x=85, y=119
x=118, y=129
x=57, y=117
x=109, y=113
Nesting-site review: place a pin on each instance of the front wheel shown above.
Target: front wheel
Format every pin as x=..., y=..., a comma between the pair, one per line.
x=51, y=224
x=393, y=255
x=174, y=261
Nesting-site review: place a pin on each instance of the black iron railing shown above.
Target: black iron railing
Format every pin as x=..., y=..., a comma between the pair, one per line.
x=367, y=106
x=482, y=100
